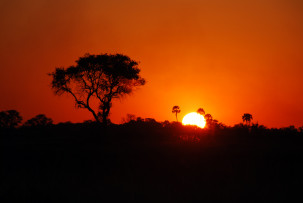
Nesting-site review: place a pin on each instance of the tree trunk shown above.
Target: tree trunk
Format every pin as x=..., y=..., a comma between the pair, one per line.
x=105, y=113
x=104, y=119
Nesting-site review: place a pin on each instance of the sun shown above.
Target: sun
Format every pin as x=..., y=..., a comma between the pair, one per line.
x=194, y=119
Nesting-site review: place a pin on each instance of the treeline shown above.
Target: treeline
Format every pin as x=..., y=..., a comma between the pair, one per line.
x=12, y=120
x=146, y=159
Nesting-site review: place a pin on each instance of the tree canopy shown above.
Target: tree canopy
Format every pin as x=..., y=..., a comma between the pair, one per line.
x=102, y=77
x=247, y=117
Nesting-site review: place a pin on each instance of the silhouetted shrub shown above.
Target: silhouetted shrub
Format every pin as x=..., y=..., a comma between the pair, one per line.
x=129, y=118
x=39, y=121
x=10, y=119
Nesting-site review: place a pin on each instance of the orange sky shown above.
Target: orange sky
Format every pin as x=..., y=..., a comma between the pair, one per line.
x=229, y=57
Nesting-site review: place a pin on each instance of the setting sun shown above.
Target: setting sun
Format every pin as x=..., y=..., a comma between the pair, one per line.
x=194, y=119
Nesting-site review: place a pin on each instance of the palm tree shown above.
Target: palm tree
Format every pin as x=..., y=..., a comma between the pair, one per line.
x=176, y=110
x=201, y=111
x=247, y=118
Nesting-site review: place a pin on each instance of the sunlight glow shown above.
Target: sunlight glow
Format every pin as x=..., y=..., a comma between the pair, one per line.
x=194, y=119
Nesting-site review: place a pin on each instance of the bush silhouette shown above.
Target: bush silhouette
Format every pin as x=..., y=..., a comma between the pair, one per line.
x=10, y=119
x=39, y=121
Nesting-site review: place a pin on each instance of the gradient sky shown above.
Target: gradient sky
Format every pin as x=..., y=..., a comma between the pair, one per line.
x=229, y=57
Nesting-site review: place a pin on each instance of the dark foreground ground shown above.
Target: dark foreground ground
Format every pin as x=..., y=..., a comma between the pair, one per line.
x=82, y=164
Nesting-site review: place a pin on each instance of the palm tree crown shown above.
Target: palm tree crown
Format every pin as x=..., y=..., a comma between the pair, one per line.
x=247, y=118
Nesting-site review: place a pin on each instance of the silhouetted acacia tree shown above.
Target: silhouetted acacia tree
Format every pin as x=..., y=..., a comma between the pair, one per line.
x=39, y=121
x=101, y=77
x=10, y=119
x=247, y=118
x=176, y=110
x=201, y=111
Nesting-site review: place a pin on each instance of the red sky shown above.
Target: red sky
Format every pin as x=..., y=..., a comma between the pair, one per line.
x=229, y=57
